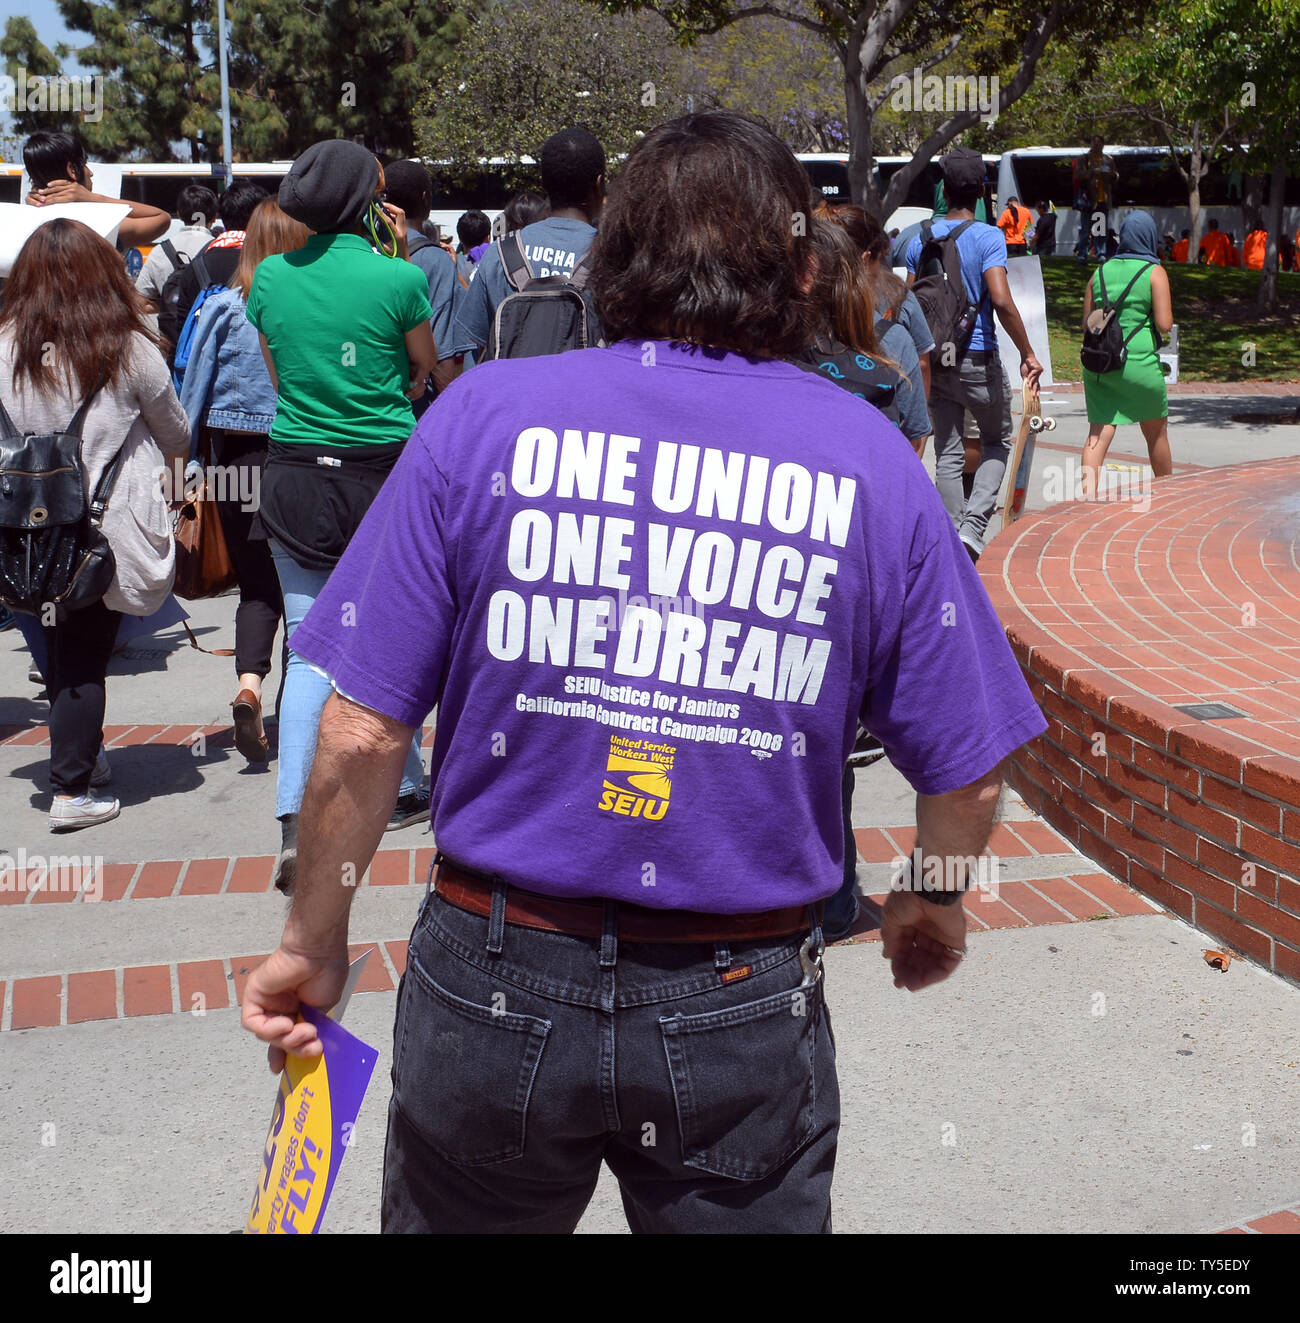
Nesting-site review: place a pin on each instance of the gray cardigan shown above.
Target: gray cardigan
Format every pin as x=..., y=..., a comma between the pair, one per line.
x=141, y=410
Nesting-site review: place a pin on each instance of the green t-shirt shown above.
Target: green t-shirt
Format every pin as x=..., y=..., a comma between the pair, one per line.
x=335, y=314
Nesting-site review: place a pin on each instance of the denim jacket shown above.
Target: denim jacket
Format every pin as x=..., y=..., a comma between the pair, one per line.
x=226, y=382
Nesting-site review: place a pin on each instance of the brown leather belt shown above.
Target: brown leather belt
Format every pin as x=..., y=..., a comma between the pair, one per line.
x=585, y=918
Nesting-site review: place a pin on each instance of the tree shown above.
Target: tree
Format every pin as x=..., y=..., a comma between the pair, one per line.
x=781, y=73
x=887, y=46
x=529, y=68
x=23, y=50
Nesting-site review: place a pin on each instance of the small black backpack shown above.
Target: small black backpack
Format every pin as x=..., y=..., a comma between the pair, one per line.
x=178, y=294
x=1104, y=349
x=545, y=314
x=941, y=291
x=52, y=553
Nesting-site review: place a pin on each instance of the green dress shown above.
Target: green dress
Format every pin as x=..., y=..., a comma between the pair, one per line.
x=1136, y=393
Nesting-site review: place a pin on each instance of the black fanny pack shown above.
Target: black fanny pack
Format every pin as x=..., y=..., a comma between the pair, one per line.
x=315, y=497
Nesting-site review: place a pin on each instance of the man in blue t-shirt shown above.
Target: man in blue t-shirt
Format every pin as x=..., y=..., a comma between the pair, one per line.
x=407, y=185
x=573, y=175
x=973, y=378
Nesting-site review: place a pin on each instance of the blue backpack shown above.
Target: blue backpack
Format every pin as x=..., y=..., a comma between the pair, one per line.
x=185, y=341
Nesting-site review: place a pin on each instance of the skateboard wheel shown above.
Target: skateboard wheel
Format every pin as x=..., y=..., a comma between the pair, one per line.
x=1049, y=424
x=1035, y=424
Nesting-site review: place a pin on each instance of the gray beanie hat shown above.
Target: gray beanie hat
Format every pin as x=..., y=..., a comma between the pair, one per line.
x=330, y=185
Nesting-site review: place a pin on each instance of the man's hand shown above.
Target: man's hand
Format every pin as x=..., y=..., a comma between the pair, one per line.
x=921, y=940
x=1030, y=370
x=60, y=190
x=277, y=988
x=397, y=219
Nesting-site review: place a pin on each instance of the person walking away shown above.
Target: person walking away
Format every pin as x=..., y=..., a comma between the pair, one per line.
x=1136, y=393
x=1045, y=231
x=56, y=164
x=968, y=373
x=474, y=231
x=1253, y=250
x=180, y=290
x=890, y=297
x=1095, y=177
x=573, y=175
x=344, y=330
x=227, y=391
x=1182, y=246
x=648, y=931
x=196, y=209
x=1214, y=246
x=409, y=187
x=74, y=345
x=1013, y=223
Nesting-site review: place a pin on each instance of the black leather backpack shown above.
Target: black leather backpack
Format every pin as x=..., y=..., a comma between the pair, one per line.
x=53, y=558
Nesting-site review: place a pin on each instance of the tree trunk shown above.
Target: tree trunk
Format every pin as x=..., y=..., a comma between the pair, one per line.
x=1268, y=293
x=863, y=188
x=1252, y=203
x=1195, y=172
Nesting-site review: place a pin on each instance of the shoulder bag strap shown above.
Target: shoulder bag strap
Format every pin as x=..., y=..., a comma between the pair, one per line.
x=8, y=432
x=513, y=261
x=200, y=269
x=172, y=255
x=582, y=272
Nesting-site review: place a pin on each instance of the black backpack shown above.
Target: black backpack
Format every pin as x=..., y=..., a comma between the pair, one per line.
x=52, y=552
x=178, y=295
x=545, y=314
x=1104, y=349
x=867, y=378
x=941, y=291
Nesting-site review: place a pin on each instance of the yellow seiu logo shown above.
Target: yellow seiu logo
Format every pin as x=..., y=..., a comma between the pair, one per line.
x=638, y=778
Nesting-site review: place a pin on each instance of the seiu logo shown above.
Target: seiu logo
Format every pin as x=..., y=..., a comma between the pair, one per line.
x=614, y=799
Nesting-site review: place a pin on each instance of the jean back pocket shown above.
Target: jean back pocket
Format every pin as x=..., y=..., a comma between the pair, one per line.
x=463, y=1073
x=743, y=1082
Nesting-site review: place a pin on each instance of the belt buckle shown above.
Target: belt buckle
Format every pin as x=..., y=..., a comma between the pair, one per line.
x=810, y=960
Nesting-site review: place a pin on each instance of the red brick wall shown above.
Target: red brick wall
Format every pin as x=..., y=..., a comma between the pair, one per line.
x=1203, y=822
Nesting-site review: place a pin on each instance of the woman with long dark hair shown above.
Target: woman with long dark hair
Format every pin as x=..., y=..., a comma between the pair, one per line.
x=228, y=390
x=72, y=334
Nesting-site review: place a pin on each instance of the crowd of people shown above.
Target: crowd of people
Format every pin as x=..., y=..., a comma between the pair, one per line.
x=388, y=391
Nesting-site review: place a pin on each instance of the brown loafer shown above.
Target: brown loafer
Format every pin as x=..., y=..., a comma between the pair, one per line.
x=250, y=739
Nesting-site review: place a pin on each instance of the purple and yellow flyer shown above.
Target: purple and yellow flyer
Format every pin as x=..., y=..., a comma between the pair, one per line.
x=310, y=1131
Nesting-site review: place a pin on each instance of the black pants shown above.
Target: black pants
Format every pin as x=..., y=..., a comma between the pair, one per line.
x=78, y=652
x=261, y=607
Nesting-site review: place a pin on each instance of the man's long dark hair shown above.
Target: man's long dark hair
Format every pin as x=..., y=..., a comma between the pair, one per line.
x=705, y=239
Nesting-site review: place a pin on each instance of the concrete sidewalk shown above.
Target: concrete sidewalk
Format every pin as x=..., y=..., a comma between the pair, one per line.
x=1080, y=1073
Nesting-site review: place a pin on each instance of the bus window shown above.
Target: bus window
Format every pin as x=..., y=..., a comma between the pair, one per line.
x=830, y=177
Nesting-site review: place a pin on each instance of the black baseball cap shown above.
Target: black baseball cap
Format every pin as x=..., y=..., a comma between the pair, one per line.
x=963, y=170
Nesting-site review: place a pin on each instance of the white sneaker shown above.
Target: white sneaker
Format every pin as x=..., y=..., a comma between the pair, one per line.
x=102, y=773
x=69, y=814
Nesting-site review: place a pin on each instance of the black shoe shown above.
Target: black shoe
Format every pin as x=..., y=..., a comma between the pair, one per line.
x=412, y=807
x=286, y=865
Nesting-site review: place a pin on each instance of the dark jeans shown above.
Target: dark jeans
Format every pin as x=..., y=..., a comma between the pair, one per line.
x=714, y=1103
x=78, y=650
x=260, y=606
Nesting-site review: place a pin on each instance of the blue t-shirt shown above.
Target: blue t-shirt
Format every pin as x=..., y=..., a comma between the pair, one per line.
x=981, y=247
x=912, y=320
x=913, y=413
x=651, y=591
x=444, y=295
x=553, y=246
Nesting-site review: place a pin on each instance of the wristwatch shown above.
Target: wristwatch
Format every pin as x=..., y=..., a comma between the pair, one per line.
x=935, y=895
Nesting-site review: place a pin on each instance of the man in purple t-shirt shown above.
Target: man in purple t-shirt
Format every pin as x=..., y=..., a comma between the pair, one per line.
x=650, y=590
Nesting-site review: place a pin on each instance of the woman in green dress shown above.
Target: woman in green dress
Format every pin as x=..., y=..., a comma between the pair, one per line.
x=1136, y=393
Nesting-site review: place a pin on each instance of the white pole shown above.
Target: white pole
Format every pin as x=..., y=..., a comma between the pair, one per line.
x=225, y=90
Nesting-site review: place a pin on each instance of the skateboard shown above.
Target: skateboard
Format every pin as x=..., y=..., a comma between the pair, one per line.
x=1021, y=459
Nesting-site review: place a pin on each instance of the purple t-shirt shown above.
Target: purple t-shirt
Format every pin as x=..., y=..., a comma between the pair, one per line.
x=650, y=589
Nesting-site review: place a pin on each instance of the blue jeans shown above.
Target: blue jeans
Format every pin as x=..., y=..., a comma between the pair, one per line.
x=520, y=1063
x=305, y=692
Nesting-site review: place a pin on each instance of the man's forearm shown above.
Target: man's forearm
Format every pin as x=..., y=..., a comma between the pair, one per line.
x=348, y=800
x=1009, y=316
x=955, y=827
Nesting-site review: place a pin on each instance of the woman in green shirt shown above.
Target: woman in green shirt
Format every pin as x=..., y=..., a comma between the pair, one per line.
x=346, y=335
x=1136, y=393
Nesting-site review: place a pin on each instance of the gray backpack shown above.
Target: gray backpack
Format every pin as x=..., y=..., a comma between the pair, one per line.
x=544, y=314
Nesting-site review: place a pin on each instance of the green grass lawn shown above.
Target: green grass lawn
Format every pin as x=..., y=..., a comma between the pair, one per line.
x=1214, y=308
